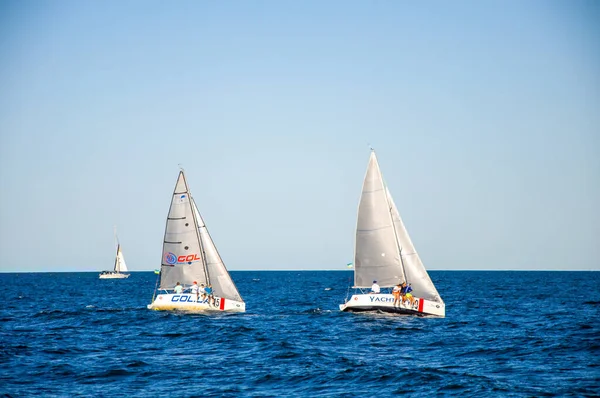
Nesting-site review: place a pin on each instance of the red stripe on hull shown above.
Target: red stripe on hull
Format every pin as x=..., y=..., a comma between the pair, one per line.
x=421, y=305
x=222, y=305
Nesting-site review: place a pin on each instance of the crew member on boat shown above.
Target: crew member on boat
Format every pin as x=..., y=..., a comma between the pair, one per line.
x=396, y=292
x=375, y=288
x=178, y=288
x=209, y=293
x=194, y=290
x=406, y=295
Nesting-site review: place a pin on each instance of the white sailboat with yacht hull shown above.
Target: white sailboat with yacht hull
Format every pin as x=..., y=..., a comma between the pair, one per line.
x=189, y=255
x=384, y=253
x=120, y=265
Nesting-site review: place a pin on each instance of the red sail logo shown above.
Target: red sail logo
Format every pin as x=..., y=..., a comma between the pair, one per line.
x=188, y=259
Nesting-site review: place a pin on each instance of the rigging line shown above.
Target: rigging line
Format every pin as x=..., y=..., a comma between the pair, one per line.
x=193, y=208
x=398, y=244
x=394, y=228
x=198, y=235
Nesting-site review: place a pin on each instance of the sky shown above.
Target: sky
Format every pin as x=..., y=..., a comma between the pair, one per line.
x=485, y=117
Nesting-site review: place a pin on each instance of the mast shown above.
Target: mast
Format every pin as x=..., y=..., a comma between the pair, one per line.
x=118, y=246
x=116, y=267
x=394, y=228
x=391, y=217
x=194, y=207
x=202, y=251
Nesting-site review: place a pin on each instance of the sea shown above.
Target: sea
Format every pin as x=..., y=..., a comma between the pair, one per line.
x=506, y=334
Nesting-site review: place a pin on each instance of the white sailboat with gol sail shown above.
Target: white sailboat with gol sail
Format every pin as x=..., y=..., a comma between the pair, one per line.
x=385, y=255
x=120, y=265
x=190, y=259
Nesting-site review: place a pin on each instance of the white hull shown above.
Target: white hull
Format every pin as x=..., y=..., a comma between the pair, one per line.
x=114, y=276
x=188, y=302
x=385, y=302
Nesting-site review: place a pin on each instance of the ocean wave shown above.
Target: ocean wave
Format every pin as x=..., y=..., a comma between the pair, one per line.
x=293, y=341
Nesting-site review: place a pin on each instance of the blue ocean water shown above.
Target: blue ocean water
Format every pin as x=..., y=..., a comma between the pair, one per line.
x=519, y=334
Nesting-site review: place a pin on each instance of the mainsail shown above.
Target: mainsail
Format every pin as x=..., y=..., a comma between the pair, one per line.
x=182, y=257
x=376, y=252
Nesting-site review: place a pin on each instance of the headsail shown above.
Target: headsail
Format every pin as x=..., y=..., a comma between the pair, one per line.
x=377, y=255
x=218, y=276
x=120, y=265
x=416, y=274
x=182, y=254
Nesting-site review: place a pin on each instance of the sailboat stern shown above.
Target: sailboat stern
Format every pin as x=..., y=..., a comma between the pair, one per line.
x=189, y=302
x=385, y=303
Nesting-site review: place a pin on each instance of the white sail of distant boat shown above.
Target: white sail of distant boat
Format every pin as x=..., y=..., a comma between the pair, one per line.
x=385, y=257
x=120, y=266
x=190, y=258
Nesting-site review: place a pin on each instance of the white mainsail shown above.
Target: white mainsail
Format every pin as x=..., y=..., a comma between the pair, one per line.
x=182, y=257
x=376, y=252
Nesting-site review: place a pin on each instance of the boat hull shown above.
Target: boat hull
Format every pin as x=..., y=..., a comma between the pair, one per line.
x=114, y=276
x=385, y=303
x=188, y=302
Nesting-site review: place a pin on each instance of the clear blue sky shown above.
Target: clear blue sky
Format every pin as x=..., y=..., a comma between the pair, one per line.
x=485, y=117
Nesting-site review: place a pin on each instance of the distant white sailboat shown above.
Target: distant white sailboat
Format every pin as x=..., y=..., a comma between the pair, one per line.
x=190, y=255
x=384, y=253
x=120, y=265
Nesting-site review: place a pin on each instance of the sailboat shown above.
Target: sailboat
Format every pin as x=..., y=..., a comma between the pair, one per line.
x=120, y=265
x=384, y=254
x=189, y=257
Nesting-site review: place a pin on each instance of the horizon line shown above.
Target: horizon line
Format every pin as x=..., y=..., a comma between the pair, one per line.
x=322, y=270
